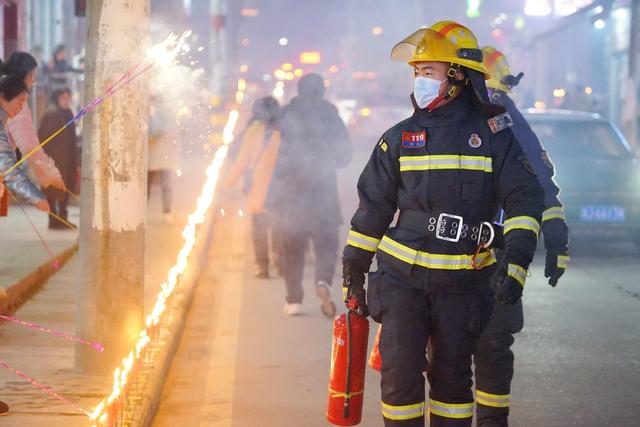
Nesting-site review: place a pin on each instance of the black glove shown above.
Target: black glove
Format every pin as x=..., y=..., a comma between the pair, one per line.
x=507, y=290
x=353, y=275
x=553, y=269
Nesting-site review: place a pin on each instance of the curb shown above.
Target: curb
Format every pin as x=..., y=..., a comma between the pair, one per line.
x=25, y=288
x=141, y=405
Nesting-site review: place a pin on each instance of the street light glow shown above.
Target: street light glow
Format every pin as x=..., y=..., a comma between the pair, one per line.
x=559, y=93
x=376, y=31
x=283, y=41
x=310, y=57
x=537, y=8
x=599, y=24
x=249, y=12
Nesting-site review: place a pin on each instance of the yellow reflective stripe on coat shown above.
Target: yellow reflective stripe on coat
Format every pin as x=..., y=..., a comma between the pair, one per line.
x=522, y=223
x=563, y=261
x=445, y=161
x=434, y=261
x=555, y=212
x=402, y=412
x=362, y=241
x=494, y=400
x=517, y=272
x=451, y=410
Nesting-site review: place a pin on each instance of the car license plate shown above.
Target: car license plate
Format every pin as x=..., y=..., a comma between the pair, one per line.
x=602, y=213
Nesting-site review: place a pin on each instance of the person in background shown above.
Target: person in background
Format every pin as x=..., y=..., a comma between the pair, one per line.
x=13, y=94
x=493, y=357
x=303, y=195
x=62, y=150
x=164, y=153
x=255, y=161
x=21, y=129
x=38, y=55
x=58, y=68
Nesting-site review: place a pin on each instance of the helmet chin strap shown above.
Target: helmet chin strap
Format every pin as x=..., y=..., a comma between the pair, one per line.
x=454, y=86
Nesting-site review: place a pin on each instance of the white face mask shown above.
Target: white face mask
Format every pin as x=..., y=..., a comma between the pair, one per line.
x=425, y=90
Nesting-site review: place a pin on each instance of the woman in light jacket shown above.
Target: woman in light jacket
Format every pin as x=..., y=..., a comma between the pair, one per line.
x=13, y=94
x=255, y=161
x=21, y=129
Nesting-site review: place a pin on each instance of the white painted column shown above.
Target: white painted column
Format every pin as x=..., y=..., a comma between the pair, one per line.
x=114, y=186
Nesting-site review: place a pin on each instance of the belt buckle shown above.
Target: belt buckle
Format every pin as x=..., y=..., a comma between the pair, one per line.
x=440, y=227
x=492, y=234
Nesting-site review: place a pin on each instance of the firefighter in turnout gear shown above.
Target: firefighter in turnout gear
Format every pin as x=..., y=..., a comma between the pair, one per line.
x=447, y=168
x=493, y=358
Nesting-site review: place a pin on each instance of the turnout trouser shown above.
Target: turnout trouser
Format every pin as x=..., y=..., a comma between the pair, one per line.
x=493, y=361
x=410, y=317
x=292, y=248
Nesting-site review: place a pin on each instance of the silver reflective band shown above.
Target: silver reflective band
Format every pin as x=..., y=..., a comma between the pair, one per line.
x=522, y=223
x=555, y=212
x=434, y=261
x=451, y=410
x=444, y=162
x=563, y=261
x=403, y=412
x=517, y=272
x=362, y=241
x=494, y=400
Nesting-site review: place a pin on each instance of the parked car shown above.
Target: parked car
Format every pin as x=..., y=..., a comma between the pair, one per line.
x=597, y=172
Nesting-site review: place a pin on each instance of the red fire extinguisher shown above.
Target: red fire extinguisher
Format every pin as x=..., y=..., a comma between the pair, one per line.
x=375, y=359
x=348, y=363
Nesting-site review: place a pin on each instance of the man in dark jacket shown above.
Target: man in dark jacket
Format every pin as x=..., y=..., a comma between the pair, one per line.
x=493, y=358
x=448, y=169
x=62, y=150
x=303, y=196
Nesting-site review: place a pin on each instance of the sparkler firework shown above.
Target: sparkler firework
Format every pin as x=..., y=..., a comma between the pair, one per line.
x=99, y=347
x=162, y=54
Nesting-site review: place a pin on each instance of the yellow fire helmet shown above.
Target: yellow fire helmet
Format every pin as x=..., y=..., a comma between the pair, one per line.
x=498, y=66
x=444, y=41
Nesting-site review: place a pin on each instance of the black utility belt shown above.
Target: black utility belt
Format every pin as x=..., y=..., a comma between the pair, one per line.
x=451, y=228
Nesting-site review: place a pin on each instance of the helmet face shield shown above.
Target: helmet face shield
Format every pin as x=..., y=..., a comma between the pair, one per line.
x=424, y=45
x=427, y=44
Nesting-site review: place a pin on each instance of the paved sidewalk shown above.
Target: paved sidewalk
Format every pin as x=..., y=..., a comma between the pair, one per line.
x=21, y=251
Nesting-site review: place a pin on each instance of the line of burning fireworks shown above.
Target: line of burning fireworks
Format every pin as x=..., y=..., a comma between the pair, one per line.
x=106, y=411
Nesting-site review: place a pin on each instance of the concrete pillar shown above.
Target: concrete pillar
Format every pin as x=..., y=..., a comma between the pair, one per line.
x=114, y=179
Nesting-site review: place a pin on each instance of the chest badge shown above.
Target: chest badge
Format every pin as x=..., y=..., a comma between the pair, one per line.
x=414, y=139
x=475, y=141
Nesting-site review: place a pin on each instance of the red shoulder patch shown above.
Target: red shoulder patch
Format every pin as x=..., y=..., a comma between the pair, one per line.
x=414, y=139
